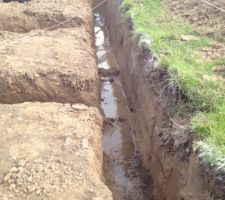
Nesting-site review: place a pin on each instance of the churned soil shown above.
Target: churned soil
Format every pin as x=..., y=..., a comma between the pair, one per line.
x=51, y=151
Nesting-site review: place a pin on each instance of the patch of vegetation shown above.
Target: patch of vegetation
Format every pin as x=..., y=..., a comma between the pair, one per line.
x=189, y=70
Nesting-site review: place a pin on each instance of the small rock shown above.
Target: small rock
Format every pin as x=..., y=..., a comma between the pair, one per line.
x=188, y=38
x=21, y=163
x=12, y=186
x=85, y=143
x=14, y=170
x=7, y=177
x=38, y=192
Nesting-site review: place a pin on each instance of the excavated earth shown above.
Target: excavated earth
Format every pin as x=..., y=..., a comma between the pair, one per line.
x=51, y=151
x=42, y=67
x=51, y=123
x=51, y=139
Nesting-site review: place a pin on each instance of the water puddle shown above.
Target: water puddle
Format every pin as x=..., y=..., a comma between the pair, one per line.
x=122, y=167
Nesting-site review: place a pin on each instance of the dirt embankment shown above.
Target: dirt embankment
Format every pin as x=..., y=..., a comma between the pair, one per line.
x=56, y=65
x=166, y=148
x=49, y=150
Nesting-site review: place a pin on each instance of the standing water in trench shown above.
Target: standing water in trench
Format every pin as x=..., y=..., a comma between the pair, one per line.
x=122, y=167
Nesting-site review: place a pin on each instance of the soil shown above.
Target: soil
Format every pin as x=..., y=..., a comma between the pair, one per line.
x=51, y=123
x=123, y=168
x=166, y=148
x=55, y=66
x=39, y=14
x=58, y=65
x=49, y=150
x=44, y=148
x=205, y=18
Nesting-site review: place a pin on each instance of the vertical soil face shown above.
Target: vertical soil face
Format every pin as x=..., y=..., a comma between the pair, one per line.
x=122, y=166
x=166, y=149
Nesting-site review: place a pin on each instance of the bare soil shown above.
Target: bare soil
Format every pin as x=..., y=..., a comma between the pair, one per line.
x=205, y=18
x=51, y=151
x=24, y=17
x=57, y=65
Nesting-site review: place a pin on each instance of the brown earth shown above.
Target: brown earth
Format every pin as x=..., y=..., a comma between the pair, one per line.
x=20, y=17
x=58, y=66
x=166, y=147
x=51, y=151
x=206, y=19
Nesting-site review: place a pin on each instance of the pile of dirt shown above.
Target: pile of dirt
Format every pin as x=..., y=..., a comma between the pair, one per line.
x=47, y=154
x=49, y=150
x=22, y=18
x=207, y=19
x=55, y=66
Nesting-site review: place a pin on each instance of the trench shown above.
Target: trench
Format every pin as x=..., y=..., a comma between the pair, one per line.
x=123, y=169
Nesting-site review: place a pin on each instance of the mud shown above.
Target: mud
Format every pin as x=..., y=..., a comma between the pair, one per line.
x=166, y=148
x=123, y=169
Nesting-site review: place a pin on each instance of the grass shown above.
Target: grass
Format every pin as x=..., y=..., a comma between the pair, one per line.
x=188, y=69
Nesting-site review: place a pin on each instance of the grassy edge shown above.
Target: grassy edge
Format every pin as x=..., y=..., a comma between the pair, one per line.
x=188, y=69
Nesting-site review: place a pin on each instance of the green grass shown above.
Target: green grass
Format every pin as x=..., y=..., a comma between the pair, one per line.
x=188, y=69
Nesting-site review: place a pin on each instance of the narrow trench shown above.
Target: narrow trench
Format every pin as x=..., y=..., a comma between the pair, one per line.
x=122, y=166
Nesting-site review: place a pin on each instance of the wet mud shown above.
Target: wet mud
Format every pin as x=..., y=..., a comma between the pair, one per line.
x=123, y=169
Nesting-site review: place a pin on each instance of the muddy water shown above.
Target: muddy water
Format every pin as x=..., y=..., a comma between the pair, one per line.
x=122, y=167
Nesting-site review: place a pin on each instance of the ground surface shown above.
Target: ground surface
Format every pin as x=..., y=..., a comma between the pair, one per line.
x=49, y=150
x=57, y=65
x=37, y=14
x=47, y=154
x=206, y=19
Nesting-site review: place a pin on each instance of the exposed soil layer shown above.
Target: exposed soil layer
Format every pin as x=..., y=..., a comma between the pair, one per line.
x=21, y=18
x=166, y=149
x=55, y=66
x=51, y=151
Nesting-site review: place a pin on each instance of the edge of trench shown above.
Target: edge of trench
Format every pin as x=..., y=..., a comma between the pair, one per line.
x=166, y=150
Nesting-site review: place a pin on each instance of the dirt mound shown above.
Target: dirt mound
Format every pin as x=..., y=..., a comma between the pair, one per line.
x=206, y=19
x=55, y=66
x=21, y=18
x=51, y=151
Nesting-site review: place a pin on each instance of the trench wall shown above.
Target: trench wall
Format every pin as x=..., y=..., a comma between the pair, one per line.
x=166, y=151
